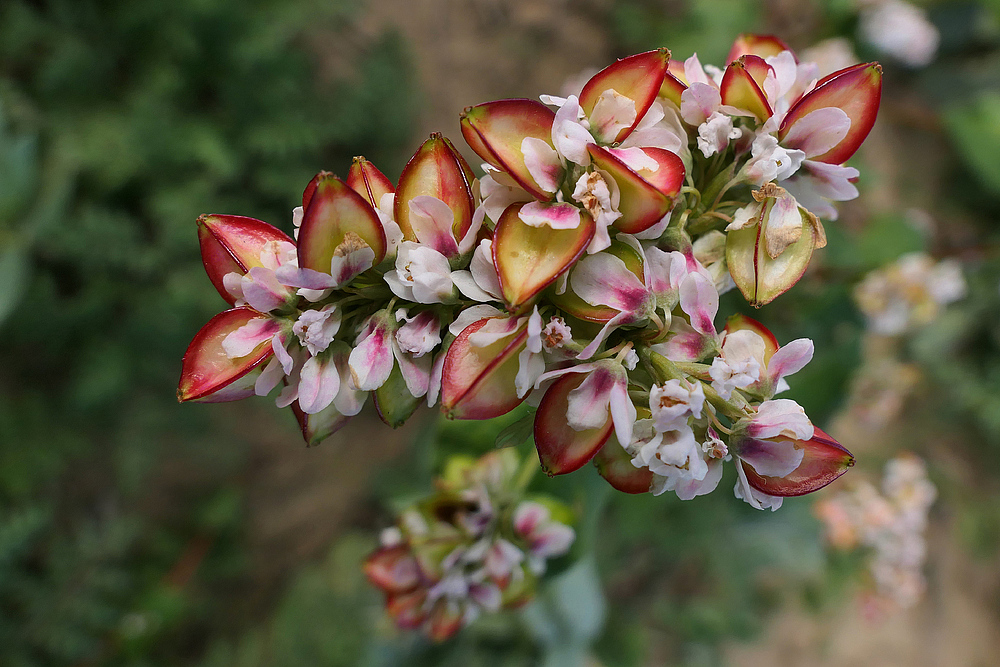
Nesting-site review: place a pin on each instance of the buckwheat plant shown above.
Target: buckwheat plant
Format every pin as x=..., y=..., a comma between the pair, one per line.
x=476, y=545
x=581, y=273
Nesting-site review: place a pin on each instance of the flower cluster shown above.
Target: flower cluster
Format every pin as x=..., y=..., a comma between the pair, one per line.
x=891, y=523
x=477, y=545
x=581, y=272
x=909, y=292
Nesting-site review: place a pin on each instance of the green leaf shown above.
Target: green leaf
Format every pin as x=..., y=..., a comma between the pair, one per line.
x=516, y=433
x=15, y=269
x=975, y=129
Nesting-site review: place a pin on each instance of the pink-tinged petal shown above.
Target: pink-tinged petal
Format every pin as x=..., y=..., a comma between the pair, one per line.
x=494, y=330
x=769, y=458
x=569, y=136
x=496, y=132
x=434, y=386
x=763, y=46
x=233, y=244
x=637, y=77
x=742, y=322
x=700, y=300
x=740, y=90
x=436, y=170
x=587, y=405
x=471, y=315
x=336, y=221
x=569, y=302
x=818, y=131
x=612, y=114
x=790, y=358
x=618, y=320
x=684, y=344
x=604, y=279
x=344, y=267
x=483, y=270
x=262, y=290
x=760, y=277
x=319, y=382
x=432, y=222
x=304, y=278
x=531, y=366
x=529, y=517
x=615, y=465
x=207, y=369
x=372, y=360
x=269, y=378
x=554, y=215
x=623, y=412
x=478, y=382
x=646, y=195
x=529, y=258
x=393, y=569
x=562, y=449
x=857, y=91
x=365, y=179
x=673, y=85
x=543, y=163
x=698, y=102
x=824, y=460
x=780, y=418
x=416, y=372
x=249, y=337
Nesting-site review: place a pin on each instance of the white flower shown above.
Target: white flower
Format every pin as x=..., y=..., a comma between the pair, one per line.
x=770, y=161
x=598, y=193
x=422, y=275
x=421, y=333
x=673, y=402
x=715, y=133
x=316, y=329
x=739, y=365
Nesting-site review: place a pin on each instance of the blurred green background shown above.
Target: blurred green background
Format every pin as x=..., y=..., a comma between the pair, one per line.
x=134, y=531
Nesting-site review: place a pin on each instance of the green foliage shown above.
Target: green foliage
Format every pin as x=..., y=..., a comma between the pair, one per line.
x=707, y=27
x=975, y=129
x=122, y=122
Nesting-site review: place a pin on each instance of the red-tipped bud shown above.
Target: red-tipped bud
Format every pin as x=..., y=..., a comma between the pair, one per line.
x=739, y=322
x=741, y=86
x=497, y=130
x=477, y=380
x=824, y=460
x=337, y=217
x=208, y=374
x=857, y=91
x=438, y=170
x=674, y=82
x=615, y=465
x=365, y=179
x=763, y=46
x=529, y=258
x=561, y=448
x=233, y=244
x=393, y=569
x=648, y=184
x=637, y=77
